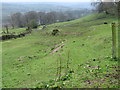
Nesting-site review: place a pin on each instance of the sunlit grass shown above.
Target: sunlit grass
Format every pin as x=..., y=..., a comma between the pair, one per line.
x=27, y=61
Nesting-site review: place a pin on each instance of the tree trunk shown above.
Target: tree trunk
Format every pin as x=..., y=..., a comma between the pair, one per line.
x=119, y=30
x=12, y=26
x=6, y=29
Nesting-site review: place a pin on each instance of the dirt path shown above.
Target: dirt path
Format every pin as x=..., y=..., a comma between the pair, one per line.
x=56, y=49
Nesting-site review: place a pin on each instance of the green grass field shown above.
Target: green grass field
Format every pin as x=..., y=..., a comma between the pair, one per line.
x=85, y=58
x=14, y=31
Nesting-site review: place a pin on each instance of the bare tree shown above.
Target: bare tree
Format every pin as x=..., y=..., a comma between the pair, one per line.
x=17, y=19
x=12, y=22
x=50, y=17
x=62, y=16
x=6, y=27
x=41, y=16
x=107, y=6
x=31, y=19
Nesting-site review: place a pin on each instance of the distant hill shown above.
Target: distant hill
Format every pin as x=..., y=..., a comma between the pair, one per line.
x=43, y=6
x=9, y=8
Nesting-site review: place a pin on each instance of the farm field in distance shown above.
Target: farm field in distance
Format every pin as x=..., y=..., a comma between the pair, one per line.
x=83, y=61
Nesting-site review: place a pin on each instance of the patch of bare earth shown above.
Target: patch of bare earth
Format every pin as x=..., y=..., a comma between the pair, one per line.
x=57, y=49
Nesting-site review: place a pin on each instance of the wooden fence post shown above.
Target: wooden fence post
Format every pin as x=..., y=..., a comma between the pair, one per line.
x=114, y=41
x=59, y=73
x=118, y=5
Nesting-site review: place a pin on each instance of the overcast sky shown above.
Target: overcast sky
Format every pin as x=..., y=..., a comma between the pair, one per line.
x=47, y=0
x=54, y=0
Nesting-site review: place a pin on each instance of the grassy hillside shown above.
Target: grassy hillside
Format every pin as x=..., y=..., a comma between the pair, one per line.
x=15, y=31
x=83, y=62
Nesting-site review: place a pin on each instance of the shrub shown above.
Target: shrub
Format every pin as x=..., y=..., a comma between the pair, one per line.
x=55, y=32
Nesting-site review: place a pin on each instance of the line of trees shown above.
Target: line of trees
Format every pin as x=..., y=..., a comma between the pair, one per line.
x=33, y=19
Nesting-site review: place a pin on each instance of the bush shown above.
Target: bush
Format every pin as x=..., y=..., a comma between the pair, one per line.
x=55, y=32
x=35, y=26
